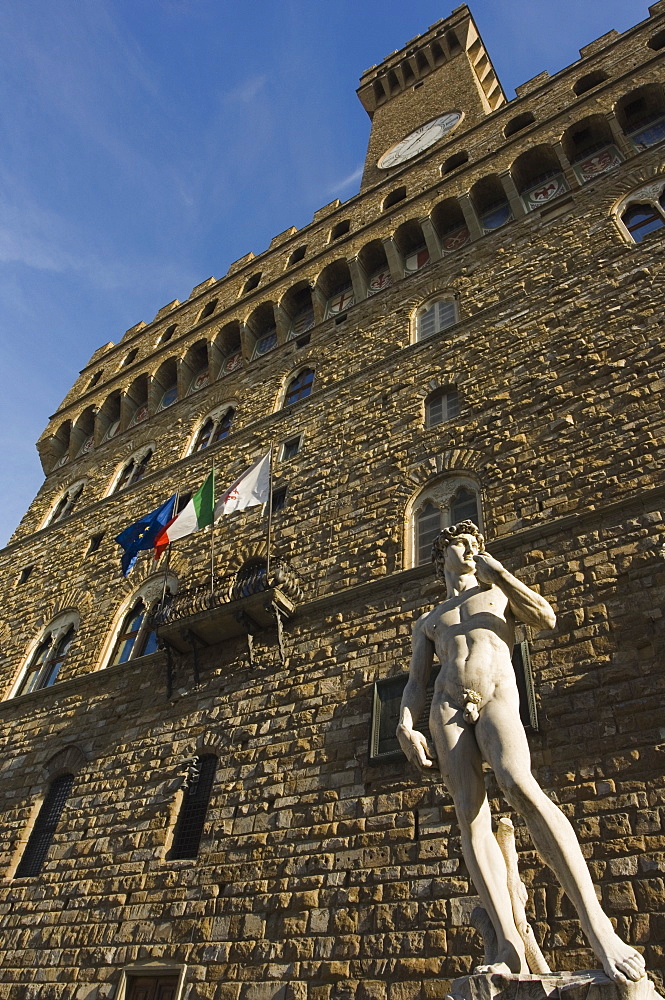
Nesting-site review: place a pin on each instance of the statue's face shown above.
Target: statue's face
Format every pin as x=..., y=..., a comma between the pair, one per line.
x=459, y=554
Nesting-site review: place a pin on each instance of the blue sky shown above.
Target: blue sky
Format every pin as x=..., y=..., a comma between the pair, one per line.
x=147, y=144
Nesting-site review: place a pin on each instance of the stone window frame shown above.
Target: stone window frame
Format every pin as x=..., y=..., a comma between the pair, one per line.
x=648, y=193
x=424, y=307
x=53, y=634
x=136, y=458
x=292, y=377
x=68, y=761
x=451, y=394
x=216, y=415
x=151, y=593
x=68, y=498
x=153, y=968
x=440, y=492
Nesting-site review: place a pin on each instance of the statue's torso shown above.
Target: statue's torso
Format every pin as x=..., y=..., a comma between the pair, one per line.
x=473, y=636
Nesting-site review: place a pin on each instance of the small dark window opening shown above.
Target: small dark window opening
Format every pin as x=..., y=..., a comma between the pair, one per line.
x=95, y=379
x=455, y=161
x=252, y=283
x=303, y=341
x=290, y=448
x=588, y=82
x=279, y=499
x=24, y=574
x=657, y=42
x=419, y=84
x=399, y=194
x=341, y=229
x=168, y=333
x=130, y=357
x=340, y=319
x=189, y=827
x=519, y=122
x=94, y=543
x=297, y=255
x=208, y=309
x=39, y=842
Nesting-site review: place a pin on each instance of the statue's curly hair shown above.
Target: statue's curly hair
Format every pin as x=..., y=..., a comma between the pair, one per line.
x=445, y=537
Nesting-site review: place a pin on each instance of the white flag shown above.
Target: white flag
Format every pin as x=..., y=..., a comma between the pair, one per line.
x=250, y=489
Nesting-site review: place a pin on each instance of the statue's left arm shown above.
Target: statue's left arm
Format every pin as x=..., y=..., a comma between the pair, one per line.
x=525, y=604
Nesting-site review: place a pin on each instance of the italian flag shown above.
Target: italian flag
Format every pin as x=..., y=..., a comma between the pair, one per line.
x=197, y=514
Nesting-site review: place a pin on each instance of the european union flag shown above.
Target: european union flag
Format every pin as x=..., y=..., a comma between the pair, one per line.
x=142, y=534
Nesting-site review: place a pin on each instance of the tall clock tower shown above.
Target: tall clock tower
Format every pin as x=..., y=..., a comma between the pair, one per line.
x=420, y=95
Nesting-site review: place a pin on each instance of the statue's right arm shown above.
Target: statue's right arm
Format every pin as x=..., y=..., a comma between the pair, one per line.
x=411, y=741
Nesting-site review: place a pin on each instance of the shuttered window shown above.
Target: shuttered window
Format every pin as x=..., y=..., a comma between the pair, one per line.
x=441, y=405
x=41, y=837
x=435, y=317
x=189, y=826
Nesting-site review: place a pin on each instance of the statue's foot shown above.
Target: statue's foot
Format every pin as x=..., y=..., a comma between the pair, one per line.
x=501, y=968
x=621, y=962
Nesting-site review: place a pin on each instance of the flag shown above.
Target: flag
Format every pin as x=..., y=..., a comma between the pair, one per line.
x=142, y=533
x=250, y=489
x=197, y=514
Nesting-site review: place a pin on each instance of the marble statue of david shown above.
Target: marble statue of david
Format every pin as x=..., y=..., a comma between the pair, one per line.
x=475, y=718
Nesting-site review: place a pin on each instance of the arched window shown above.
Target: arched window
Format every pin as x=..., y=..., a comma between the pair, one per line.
x=441, y=405
x=134, y=471
x=300, y=387
x=643, y=211
x=446, y=501
x=214, y=429
x=435, y=316
x=136, y=635
x=65, y=504
x=192, y=814
x=41, y=837
x=642, y=219
x=45, y=662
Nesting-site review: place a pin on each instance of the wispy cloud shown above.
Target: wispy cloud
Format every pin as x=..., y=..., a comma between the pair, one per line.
x=345, y=182
x=246, y=91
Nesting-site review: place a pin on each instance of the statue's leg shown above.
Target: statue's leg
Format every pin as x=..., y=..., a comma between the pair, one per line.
x=503, y=743
x=461, y=769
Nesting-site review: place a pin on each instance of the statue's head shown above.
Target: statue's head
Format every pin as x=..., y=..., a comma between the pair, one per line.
x=445, y=537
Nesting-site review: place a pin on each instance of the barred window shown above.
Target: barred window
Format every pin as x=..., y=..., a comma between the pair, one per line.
x=41, y=837
x=189, y=826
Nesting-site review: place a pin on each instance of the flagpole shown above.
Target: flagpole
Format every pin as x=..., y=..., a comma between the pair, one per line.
x=269, y=521
x=212, y=535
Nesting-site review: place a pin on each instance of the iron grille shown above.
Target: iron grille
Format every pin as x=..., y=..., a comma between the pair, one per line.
x=193, y=810
x=40, y=839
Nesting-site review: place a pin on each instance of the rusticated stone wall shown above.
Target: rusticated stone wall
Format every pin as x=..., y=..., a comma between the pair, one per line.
x=322, y=875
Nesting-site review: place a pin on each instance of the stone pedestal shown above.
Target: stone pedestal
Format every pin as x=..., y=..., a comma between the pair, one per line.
x=591, y=984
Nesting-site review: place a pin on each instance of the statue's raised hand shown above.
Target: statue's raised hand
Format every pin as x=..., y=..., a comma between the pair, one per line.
x=415, y=747
x=488, y=569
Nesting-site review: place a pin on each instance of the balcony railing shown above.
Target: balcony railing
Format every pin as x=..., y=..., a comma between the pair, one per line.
x=203, y=615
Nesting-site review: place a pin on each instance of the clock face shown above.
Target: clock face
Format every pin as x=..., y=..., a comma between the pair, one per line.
x=422, y=138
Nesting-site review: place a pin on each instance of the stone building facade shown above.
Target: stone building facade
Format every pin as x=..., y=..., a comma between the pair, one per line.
x=477, y=332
